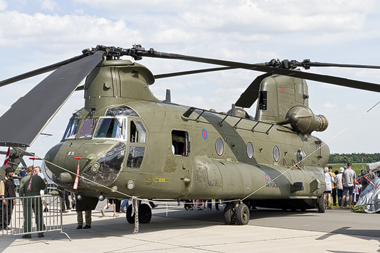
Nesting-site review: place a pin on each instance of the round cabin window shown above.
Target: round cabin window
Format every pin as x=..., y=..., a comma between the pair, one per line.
x=249, y=150
x=276, y=153
x=219, y=146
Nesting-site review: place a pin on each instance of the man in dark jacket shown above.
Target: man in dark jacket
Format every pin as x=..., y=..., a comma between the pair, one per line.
x=30, y=186
x=7, y=190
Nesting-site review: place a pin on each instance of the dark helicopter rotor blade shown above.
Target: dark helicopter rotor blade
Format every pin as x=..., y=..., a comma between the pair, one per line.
x=249, y=96
x=23, y=161
x=40, y=70
x=28, y=116
x=323, y=64
x=178, y=74
x=191, y=72
x=138, y=53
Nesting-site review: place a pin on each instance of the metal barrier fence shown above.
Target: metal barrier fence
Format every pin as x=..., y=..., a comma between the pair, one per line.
x=31, y=215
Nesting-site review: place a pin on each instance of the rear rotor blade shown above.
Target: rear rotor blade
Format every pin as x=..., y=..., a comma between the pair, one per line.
x=249, y=96
x=178, y=74
x=263, y=67
x=191, y=72
x=21, y=124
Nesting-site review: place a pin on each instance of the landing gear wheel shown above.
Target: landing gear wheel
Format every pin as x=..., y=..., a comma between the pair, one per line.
x=229, y=214
x=145, y=214
x=321, y=204
x=242, y=214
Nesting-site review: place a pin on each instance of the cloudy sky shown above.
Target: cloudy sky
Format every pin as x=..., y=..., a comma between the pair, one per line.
x=41, y=32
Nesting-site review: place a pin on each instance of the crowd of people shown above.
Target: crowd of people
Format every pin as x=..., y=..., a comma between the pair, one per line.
x=344, y=187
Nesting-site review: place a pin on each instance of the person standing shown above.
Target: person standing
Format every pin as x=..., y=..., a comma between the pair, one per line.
x=333, y=185
x=42, y=192
x=109, y=203
x=348, y=181
x=123, y=206
x=327, y=193
x=87, y=214
x=7, y=190
x=64, y=195
x=356, y=192
x=31, y=185
x=339, y=186
x=22, y=173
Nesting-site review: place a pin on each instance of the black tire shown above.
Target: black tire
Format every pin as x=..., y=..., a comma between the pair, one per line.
x=229, y=214
x=242, y=214
x=130, y=219
x=145, y=213
x=321, y=204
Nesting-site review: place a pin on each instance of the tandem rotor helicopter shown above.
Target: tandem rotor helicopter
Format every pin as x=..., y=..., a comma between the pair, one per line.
x=126, y=142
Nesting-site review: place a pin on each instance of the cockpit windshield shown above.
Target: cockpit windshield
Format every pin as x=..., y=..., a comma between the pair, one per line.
x=114, y=127
x=87, y=128
x=72, y=129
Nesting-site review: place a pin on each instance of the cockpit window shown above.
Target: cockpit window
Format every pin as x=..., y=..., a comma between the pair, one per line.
x=87, y=128
x=121, y=111
x=134, y=134
x=135, y=157
x=142, y=131
x=110, y=128
x=72, y=129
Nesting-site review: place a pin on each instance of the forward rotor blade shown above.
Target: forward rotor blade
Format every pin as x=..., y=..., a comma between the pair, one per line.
x=21, y=124
x=249, y=96
x=22, y=161
x=39, y=71
x=271, y=70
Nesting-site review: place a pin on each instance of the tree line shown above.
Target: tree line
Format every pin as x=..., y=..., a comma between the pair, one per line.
x=354, y=158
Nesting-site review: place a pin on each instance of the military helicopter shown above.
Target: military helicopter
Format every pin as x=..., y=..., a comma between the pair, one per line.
x=126, y=142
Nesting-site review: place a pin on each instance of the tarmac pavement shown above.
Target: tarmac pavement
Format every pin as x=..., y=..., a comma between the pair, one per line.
x=172, y=229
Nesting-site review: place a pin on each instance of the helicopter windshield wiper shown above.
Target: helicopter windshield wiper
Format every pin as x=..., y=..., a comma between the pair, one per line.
x=120, y=124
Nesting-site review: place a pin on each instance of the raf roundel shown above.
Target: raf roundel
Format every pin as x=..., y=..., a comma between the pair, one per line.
x=204, y=134
x=266, y=177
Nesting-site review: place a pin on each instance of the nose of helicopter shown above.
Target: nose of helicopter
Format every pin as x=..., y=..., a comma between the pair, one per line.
x=98, y=165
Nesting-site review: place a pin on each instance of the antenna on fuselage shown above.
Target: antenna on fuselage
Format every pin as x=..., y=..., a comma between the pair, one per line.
x=168, y=98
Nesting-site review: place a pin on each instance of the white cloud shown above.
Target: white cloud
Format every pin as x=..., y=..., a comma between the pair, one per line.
x=329, y=106
x=3, y=5
x=48, y=4
x=51, y=32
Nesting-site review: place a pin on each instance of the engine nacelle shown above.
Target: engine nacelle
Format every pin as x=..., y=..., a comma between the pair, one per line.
x=304, y=121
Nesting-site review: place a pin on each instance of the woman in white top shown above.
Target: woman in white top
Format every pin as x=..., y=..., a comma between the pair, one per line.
x=327, y=193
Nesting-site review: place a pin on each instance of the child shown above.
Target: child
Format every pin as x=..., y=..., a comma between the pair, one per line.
x=356, y=192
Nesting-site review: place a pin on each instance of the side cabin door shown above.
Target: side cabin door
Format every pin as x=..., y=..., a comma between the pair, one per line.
x=180, y=161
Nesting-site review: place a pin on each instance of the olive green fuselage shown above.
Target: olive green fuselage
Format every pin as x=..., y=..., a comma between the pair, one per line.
x=162, y=151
